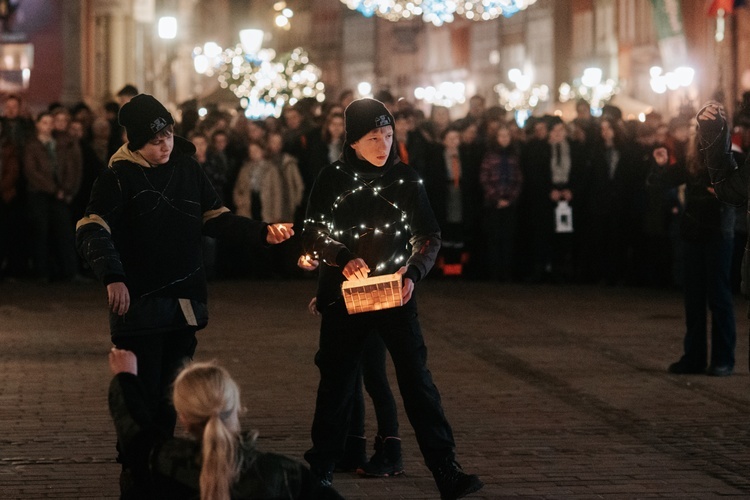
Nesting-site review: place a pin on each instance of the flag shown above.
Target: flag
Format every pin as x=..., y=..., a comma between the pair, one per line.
x=669, y=32
x=727, y=5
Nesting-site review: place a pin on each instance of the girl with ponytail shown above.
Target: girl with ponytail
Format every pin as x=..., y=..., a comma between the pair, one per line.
x=220, y=462
x=207, y=401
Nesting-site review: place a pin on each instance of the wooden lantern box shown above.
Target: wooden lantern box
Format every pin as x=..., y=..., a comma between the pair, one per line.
x=372, y=294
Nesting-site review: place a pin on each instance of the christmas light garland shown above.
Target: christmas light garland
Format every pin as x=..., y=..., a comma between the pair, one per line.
x=264, y=84
x=358, y=231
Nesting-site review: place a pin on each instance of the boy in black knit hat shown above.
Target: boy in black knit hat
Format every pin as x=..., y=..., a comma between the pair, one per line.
x=368, y=214
x=141, y=235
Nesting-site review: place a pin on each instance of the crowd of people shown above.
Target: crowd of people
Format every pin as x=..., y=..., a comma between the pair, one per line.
x=549, y=202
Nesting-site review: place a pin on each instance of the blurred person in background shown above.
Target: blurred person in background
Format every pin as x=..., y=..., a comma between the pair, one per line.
x=10, y=171
x=216, y=171
x=16, y=129
x=610, y=205
x=554, y=173
x=53, y=170
x=501, y=180
x=286, y=205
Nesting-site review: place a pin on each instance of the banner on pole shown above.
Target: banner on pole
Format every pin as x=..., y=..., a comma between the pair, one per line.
x=670, y=32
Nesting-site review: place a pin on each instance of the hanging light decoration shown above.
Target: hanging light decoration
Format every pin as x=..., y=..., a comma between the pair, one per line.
x=262, y=82
x=591, y=88
x=523, y=97
x=438, y=12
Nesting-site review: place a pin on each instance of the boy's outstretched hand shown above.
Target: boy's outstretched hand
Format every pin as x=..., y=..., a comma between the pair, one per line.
x=307, y=263
x=278, y=232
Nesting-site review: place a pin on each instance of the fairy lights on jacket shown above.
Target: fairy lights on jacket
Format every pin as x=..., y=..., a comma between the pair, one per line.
x=328, y=232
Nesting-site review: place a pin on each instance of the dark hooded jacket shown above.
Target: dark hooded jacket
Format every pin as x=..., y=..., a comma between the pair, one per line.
x=379, y=214
x=143, y=226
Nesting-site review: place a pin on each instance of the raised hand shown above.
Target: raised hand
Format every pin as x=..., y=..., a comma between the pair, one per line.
x=279, y=232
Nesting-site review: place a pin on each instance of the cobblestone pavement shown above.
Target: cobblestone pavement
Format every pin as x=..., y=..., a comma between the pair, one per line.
x=553, y=392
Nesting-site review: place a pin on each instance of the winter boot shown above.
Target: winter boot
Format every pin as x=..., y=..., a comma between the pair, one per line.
x=453, y=482
x=355, y=454
x=386, y=461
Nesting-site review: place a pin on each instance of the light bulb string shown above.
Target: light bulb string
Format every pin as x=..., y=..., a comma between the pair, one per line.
x=376, y=189
x=328, y=233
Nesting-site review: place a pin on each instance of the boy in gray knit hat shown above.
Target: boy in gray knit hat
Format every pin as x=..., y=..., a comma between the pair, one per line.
x=368, y=215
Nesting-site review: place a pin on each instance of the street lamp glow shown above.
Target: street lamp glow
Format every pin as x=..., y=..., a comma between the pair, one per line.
x=658, y=85
x=212, y=49
x=655, y=71
x=673, y=83
x=281, y=21
x=167, y=28
x=251, y=40
x=591, y=77
x=201, y=64
x=685, y=75
x=364, y=88
x=523, y=82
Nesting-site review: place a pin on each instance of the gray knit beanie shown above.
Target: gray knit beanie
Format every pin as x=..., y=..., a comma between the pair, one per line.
x=143, y=117
x=364, y=115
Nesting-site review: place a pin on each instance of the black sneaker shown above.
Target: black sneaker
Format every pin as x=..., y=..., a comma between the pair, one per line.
x=323, y=476
x=453, y=482
x=386, y=461
x=720, y=370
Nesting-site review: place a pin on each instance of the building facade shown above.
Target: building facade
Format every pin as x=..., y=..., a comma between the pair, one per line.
x=86, y=50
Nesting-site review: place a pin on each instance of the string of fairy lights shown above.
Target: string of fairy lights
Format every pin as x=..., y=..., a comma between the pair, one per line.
x=363, y=187
x=438, y=12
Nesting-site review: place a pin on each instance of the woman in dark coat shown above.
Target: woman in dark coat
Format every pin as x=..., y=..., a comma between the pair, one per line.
x=555, y=175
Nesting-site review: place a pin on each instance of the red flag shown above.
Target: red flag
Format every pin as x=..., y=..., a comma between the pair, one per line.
x=727, y=5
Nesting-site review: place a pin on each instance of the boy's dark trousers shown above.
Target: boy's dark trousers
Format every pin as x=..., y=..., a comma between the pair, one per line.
x=160, y=358
x=342, y=340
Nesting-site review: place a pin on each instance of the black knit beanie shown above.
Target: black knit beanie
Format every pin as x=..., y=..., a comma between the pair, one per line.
x=143, y=117
x=364, y=115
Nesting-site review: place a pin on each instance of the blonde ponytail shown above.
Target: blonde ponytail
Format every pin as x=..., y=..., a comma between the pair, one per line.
x=219, y=468
x=207, y=398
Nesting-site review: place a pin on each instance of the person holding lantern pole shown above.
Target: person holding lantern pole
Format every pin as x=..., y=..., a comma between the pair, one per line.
x=141, y=235
x=368, y=213
x=730, y=184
